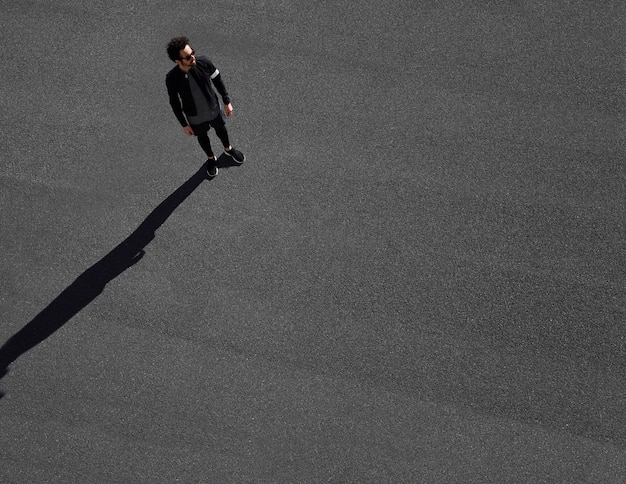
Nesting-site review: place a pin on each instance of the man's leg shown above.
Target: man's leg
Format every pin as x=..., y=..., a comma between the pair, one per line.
x=205, y=144
x=219, y=126
x=202, y=133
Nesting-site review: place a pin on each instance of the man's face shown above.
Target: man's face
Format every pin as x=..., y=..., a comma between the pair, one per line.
x=187, y=57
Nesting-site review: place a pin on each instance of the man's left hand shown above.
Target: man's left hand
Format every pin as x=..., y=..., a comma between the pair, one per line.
x=228, y=109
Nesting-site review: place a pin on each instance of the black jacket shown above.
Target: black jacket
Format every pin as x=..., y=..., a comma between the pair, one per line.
x=179, y=91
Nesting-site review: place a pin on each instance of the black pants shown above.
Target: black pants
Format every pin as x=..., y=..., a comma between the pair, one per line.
x=202, y=132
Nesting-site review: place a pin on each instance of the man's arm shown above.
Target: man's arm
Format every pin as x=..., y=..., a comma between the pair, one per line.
x=175, y=102
x=216, y=77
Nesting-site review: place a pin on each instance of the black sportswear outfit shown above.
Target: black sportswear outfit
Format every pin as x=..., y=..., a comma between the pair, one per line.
x=182, y=102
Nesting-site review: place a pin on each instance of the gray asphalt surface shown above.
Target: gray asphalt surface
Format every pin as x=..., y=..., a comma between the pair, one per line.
x=416, y=276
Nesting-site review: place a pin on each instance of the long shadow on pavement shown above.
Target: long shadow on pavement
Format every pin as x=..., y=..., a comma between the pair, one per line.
x=91, y=283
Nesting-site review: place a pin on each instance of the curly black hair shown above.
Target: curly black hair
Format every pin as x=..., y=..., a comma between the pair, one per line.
x=174, y=47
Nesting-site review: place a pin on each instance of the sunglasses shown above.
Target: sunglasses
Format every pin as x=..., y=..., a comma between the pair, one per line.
x=188, y=58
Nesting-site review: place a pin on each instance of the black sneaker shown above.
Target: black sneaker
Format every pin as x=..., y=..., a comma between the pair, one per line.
x=237, y=156
x=211, y=169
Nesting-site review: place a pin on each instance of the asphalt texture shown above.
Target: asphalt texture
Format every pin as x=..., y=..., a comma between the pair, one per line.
x=416, y=276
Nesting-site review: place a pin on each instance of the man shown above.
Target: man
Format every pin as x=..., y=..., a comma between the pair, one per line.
x=194, y=101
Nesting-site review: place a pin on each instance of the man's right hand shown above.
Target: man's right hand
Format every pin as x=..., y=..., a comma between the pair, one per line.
x=188, y=130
